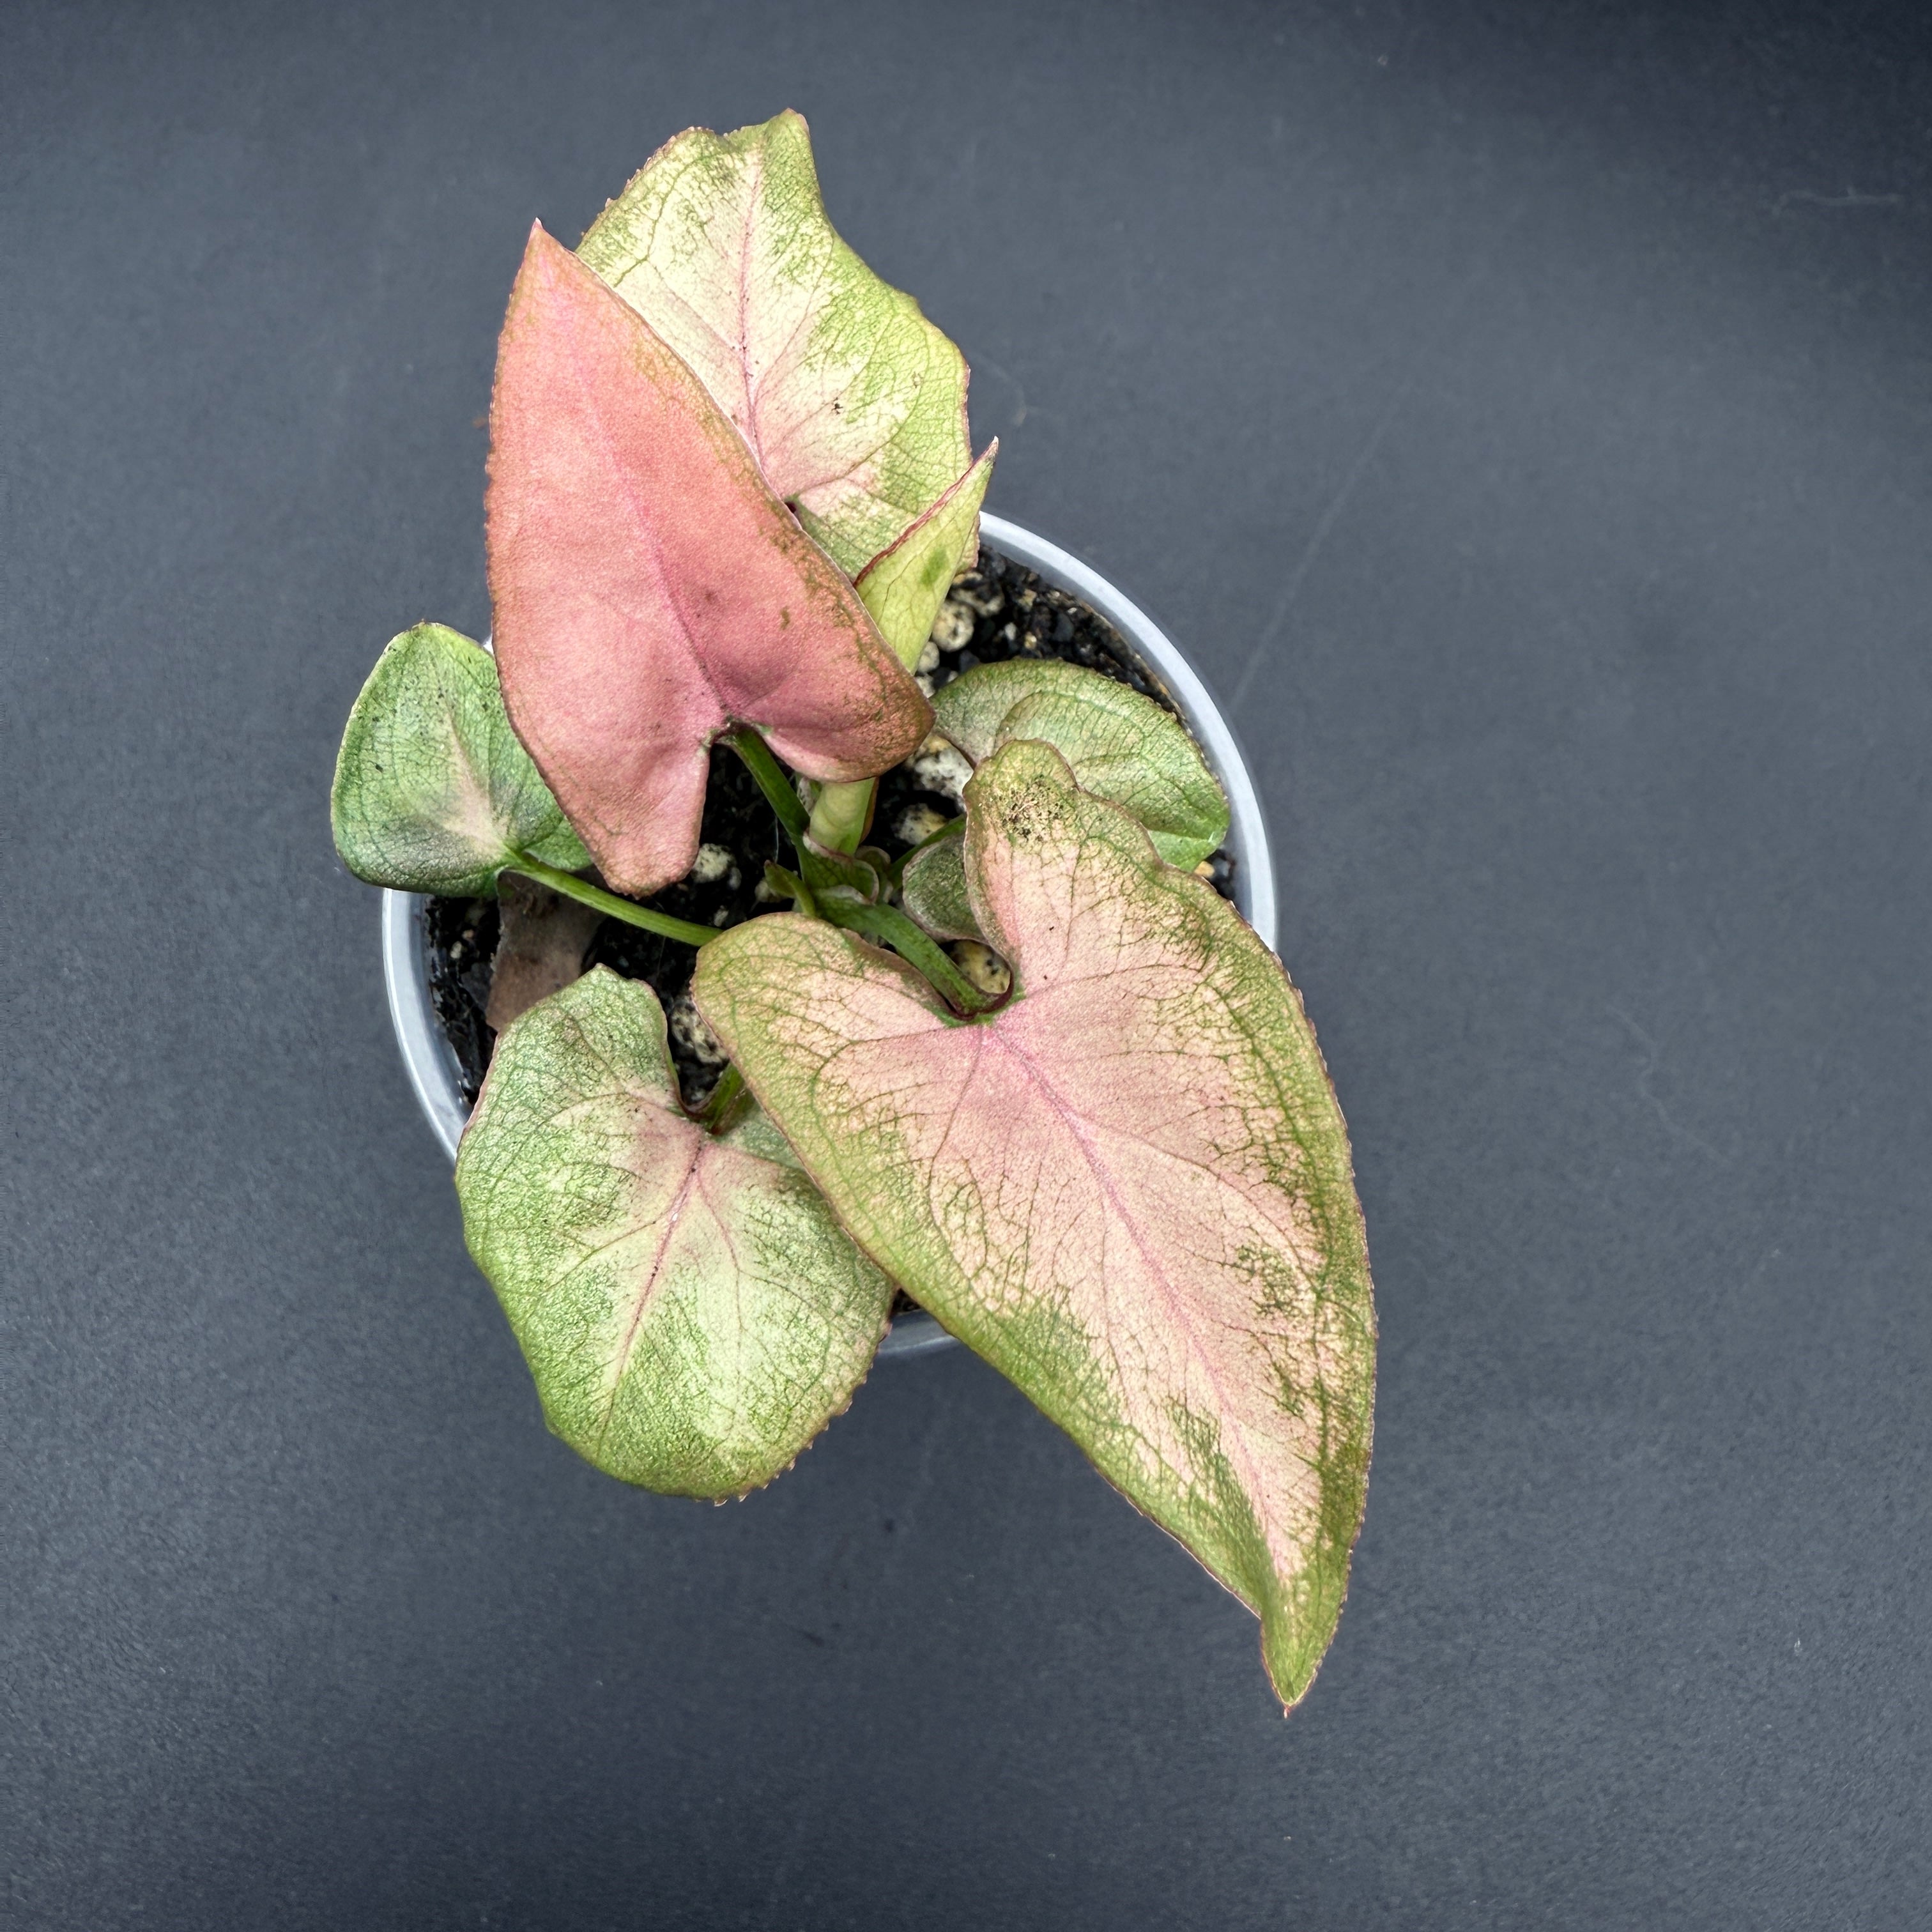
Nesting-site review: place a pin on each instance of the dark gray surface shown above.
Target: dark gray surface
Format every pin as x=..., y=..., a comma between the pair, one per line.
x=1523, y=411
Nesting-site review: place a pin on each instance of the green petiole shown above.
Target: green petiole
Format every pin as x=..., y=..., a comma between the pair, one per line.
x=890, y=926
x=778, y=789
x=629, y=910
x=845, y=809
x=712, y=1114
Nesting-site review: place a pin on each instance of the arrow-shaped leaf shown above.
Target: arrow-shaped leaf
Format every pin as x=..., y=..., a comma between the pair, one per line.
x=432, y=792
x=854, y=404
x=692, y=1313
x=649, y=589
x=1129, y=1189
x=1122, y=745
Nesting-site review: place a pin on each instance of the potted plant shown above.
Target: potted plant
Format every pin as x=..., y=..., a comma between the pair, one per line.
x=1019, y=1060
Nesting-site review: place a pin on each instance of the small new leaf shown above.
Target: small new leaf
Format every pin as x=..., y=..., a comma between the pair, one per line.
x=650, y=590
x=854, y=404
x=1122, y=746
x=933, y=889
x=692, y=1313
x=1128, y=1188
x=903, y=586
x=433, y=793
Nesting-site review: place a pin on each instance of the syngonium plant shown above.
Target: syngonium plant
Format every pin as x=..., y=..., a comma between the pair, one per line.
x=729, y=485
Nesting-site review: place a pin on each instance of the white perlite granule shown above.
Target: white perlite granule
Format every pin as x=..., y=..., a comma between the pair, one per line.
x=918, y=822
x=710, y=865
x=688, y=1029
x=952, y=628
x=982, y=966
x=939, y=766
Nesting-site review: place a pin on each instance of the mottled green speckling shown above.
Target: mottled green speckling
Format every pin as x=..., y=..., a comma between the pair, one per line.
x=690, y=1310
x=854, y=404
x=1129, y=1189
x=1121, y=745
x=934, y=890
x=432, y=792
x=903, y=586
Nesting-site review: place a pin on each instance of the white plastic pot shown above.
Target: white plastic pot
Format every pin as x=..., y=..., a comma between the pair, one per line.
x=431, y=1063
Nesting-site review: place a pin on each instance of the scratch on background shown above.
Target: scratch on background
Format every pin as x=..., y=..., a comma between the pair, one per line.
x=1663, y=1113
x=1363, y=457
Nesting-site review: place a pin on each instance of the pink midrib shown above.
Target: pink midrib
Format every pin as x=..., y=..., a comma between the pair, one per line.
x=752, y=432
x=674, y=1215
x=1076, y=1124
x=748, y=381
x=647, y=533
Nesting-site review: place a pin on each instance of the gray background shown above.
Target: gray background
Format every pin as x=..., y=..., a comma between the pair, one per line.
x=1522, y=412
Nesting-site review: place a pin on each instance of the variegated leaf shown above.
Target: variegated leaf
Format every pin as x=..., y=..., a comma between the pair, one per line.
x=903, y=586
x=650, y=589
x=433, y=793
x=1122, y=746
x=692, y=1312
x=854, y=404
x=1129, y=1189
x=933, y=890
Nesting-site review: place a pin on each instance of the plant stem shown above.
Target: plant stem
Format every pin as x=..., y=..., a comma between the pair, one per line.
x=889, y=925
x=789, y=886
x=778, y=789
x=629, y=910
x=723, y=1096
x=839, y=818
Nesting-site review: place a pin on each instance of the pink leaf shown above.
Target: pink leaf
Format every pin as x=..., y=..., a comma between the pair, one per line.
x=650, y=589
x=1129, y=1189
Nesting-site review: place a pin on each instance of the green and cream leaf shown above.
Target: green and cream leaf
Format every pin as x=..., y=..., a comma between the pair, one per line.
x=853, y=402
x=933, y=890
x=1129, y=1189
x=903, y=586
x=690, y=1310
x=1121, y=745
x=432, y=792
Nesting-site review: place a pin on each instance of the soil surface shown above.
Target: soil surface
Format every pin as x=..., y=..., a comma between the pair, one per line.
x=999, y=611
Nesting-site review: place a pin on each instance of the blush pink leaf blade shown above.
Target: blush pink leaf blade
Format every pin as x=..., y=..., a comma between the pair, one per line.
x=1129, y=1189
x=649, y=589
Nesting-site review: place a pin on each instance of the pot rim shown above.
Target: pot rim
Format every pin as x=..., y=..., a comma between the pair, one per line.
x=430, y=1062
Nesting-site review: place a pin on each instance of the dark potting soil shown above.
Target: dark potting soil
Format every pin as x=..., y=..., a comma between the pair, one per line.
x=1013, y=613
